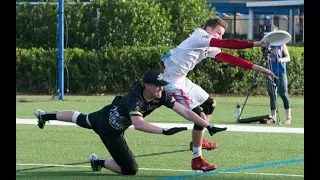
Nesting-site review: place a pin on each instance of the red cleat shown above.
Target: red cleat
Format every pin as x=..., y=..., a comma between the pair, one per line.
x=206, y=145
x=198, y=163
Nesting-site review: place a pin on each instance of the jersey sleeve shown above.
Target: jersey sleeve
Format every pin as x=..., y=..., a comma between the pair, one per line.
x=213, y=51
x=230, y=43
x=167, y=100
x=135, y=107
x=236, y=61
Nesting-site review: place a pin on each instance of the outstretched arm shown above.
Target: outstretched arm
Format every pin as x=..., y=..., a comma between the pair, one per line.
x=189, y=115
x=237, y=61
x=192, y=116
x=141, y=125
x=236, y=44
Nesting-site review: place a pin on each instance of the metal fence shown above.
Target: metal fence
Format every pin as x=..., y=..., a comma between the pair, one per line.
x=238, y=26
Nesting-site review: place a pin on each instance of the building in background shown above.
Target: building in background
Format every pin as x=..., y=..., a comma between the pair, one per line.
x=287, y=15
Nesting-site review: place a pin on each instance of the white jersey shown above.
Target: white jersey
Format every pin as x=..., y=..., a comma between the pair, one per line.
x=179, y=61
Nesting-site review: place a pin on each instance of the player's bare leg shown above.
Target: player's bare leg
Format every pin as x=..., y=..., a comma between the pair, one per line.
x=65, y=116
x=98, y=163
x=197, y=162
x=197, y=136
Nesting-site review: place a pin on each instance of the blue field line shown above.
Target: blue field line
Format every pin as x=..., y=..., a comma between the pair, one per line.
x=256, y=166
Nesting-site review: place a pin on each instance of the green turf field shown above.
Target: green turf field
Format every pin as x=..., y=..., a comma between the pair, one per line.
x=60, y=152
x=224, y=112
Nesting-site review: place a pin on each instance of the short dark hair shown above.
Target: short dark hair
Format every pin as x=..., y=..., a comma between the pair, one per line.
x=213, y=22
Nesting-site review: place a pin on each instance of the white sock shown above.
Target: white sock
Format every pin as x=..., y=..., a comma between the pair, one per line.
x=196, y=151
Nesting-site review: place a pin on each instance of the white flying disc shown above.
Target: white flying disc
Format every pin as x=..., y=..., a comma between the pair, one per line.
x=277, y=38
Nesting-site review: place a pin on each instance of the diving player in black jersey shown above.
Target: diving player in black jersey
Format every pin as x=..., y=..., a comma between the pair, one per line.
x=112, y=120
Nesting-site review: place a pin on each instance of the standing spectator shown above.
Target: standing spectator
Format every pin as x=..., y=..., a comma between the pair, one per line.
x=279, y=56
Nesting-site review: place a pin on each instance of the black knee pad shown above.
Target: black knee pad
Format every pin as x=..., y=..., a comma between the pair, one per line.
x=197, y=127
x=198, y=111
x=208, y=106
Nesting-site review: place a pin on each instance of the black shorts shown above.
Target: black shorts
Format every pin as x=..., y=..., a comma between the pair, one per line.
x=112, y=139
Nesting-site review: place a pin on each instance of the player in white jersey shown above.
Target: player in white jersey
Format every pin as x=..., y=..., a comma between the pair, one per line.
x=202, y=43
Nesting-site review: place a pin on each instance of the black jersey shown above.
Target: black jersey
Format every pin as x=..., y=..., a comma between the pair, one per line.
x=134, y=104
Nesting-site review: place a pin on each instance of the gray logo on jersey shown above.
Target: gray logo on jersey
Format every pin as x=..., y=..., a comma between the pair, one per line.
x=116, y=121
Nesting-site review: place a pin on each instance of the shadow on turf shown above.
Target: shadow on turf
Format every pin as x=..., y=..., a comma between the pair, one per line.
x=142, y=155
x=70, y=174
x=105, y=174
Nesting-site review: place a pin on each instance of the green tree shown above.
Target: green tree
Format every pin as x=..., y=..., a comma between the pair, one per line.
x=36, y=25
x=133, y=23
x=81, y=25
x=186, y=16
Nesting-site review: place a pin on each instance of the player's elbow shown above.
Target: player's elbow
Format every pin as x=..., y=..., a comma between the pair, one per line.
x=137, y=123
x=289, y=59
x=138, y=127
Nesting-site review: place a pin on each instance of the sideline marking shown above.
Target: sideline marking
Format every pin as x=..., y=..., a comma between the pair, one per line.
x=155, y=169
x=250, y=167
x=239, y=128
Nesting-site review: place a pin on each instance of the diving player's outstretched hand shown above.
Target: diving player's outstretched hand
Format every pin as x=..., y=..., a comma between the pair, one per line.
x=212, y=129
x=171, y=131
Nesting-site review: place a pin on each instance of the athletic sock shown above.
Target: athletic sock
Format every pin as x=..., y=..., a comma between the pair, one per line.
x=49, y=116
x=99, y=162
x=196, y=151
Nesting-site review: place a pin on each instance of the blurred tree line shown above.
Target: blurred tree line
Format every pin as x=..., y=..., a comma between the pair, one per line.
x=109, y=23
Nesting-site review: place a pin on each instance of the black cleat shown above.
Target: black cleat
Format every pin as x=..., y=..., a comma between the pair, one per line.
x=41, y=122
x=94, y=167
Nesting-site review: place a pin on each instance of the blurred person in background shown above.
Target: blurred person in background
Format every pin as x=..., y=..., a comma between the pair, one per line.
x=278, y=59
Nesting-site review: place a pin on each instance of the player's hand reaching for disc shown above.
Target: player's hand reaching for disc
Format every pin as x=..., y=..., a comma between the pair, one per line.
x=212, y=129
x=261, y=43
x=268, y=73
x=171, y=131
x=264, y=71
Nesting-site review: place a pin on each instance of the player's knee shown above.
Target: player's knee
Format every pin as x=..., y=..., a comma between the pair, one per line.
x=197, y=127
x=208, y=106
x=198, y=111
x=81, y=120
x=130, y=170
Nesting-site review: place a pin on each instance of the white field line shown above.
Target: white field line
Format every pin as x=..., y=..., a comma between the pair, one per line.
x=156, y=169
x=239, y=128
